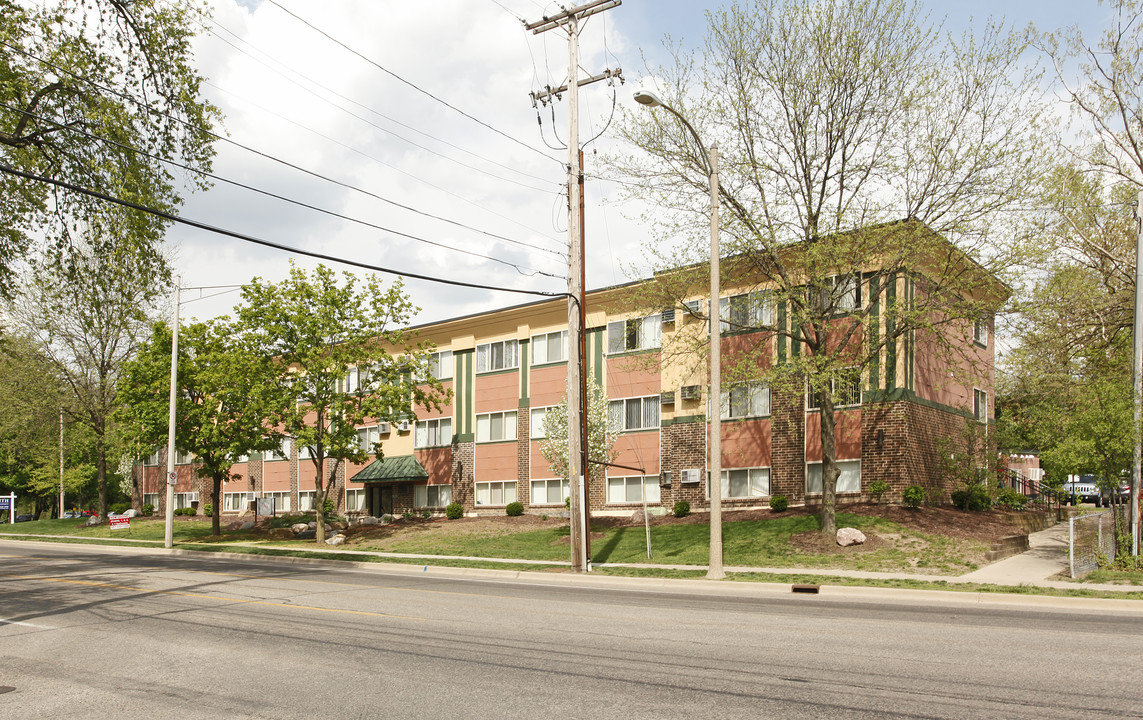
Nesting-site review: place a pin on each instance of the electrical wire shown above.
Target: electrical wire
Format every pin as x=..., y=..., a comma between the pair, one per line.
x=325, y=88
x=299, y=203
x=266, y=243
x=410, y=84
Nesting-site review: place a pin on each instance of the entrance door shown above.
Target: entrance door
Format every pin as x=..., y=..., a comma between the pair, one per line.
x=379, y=501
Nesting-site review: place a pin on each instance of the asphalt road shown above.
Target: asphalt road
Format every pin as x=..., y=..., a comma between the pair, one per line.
x=103, y=633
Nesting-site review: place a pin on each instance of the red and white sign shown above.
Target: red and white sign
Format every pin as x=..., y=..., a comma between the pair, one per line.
x=119, y=523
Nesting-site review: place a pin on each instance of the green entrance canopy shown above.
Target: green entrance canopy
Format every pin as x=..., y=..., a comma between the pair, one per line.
x=403, y=468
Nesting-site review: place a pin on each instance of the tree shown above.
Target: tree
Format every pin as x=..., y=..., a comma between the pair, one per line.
x=85, y=307
x=101, y=95
x=219, y=414
x=337, y=357
x=835, y=120
x=600, y=435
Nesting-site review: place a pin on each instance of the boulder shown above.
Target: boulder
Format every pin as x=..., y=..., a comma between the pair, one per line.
x=312, y=524
x=637, y=517
x=850, y=536
x=299, y=528
x=305, y=535
x=94, y=520
x=246, y=525
x=335, y=540
x=368, y=521
x=338, y=525
x=130, y=513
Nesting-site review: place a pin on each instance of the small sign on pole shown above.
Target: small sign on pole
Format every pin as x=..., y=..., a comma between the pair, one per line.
x=172, y=477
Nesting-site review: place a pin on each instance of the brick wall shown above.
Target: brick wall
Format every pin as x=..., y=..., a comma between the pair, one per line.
x=463, y=491
x=523, y=456
x=788, y=443
x=684, y=446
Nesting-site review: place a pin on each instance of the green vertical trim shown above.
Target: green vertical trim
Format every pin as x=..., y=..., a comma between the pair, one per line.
x=525, y=369
x=463, y=391
x=874, y=332
x=910, y=340
x=890, y=327
x=781, y=336
x=595, y=353
x=796, y=343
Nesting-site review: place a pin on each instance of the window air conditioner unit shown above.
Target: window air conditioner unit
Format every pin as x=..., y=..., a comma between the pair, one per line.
x=403, y=426
x=690, y=476
x=665, y=479
x=382, y=428
x=250, y=497
x=192, y=497
x=668, y=398
x=668, y=316
x=691, y=392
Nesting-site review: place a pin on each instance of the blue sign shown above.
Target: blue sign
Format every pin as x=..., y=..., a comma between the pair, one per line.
x=5, y=503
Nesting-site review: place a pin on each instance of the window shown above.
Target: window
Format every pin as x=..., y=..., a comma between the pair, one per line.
x=440, y=365
x=980, y=405
x=352, y=381
x=550, y=347
x=183, y=458
x=536, y=423
x=745, y=483
x=632, y=489
x=633, y=413
x=306, y=500
x=305, y=452
x=492, y=427
x=749, y=399
x=692, y=308
x=355, y=500
x=235, y=502
x=433, y=433
x=281, y=500
x=634, y=334
x=550, y=492
x=848, y=481
x=497, y=356
x=840, y=294
x=152, y=459
x=151, y=499
x=845, y=391
x=980, y=332
x=184, y=500
x=282, y=452
x=495, y=493
x=432, y=495
x=748, y=311
x=368, y=438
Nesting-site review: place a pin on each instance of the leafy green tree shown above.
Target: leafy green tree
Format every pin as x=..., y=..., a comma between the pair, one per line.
x=99, y=94
x=339, y=356
x=85, y=308
x=219, y=413
x=836, y=120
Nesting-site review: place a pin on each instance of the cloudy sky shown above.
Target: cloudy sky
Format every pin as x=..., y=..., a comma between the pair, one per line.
x=414, y=119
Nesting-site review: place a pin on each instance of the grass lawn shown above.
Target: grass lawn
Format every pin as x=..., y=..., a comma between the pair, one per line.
x=141, y=529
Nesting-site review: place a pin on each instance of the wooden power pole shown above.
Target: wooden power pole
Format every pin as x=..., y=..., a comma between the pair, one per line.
x=569, y=20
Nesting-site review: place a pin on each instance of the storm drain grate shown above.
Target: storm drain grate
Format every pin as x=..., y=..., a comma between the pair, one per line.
x=811, y=589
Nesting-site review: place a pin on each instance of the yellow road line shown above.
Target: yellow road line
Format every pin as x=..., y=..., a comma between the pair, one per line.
x=178, y=593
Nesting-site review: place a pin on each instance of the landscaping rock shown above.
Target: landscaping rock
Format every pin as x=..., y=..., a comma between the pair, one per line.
x=338, y=525
x=130, y=513
x=312, y=525
x=299, y=528
x=637, y=516
x=335, y=540
x=94, y=520
x=850, y=536
x=305, y=535
x=368, y=521
x=246, y=525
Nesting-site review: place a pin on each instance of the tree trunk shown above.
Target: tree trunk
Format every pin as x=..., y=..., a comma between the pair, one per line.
x=319, y=500
x=829, y=466
x=216, y=506
x=101, y=474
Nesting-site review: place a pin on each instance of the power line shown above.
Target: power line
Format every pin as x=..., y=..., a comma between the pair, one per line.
x=371, y=110
x=283, y=198
x=273, y=158
x=412, y=85
x=259, y=241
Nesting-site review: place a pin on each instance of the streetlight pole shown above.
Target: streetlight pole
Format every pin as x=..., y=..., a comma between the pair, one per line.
x=169, y=525
x=710, y=160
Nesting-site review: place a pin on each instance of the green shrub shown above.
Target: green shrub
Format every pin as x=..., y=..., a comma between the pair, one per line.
x=972, y=499
x=1011, y=498
x=120, y=508
x=387, y=518
x=567, y=503
x=913, y=496
x=427, y=514
x=682, y=508
x=877, y=488
x=454, y=511
x=543, y=517
x=514, y=509
x=779, y=503
x=148, y=509
x=208, y=510
x=327, y=508
x=186, y=511
x=407, y=515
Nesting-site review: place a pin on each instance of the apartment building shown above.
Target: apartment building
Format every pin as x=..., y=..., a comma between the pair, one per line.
x=506, y=368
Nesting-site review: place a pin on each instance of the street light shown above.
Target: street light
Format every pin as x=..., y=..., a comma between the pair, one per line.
x=710, y=162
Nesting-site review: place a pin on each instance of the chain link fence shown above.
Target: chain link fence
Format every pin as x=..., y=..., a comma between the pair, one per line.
x=1090, y=536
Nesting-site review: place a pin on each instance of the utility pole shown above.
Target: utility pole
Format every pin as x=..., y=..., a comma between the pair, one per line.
x=1137, y=374
x=569, y=20
x=61, y=467
x=169, y=525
